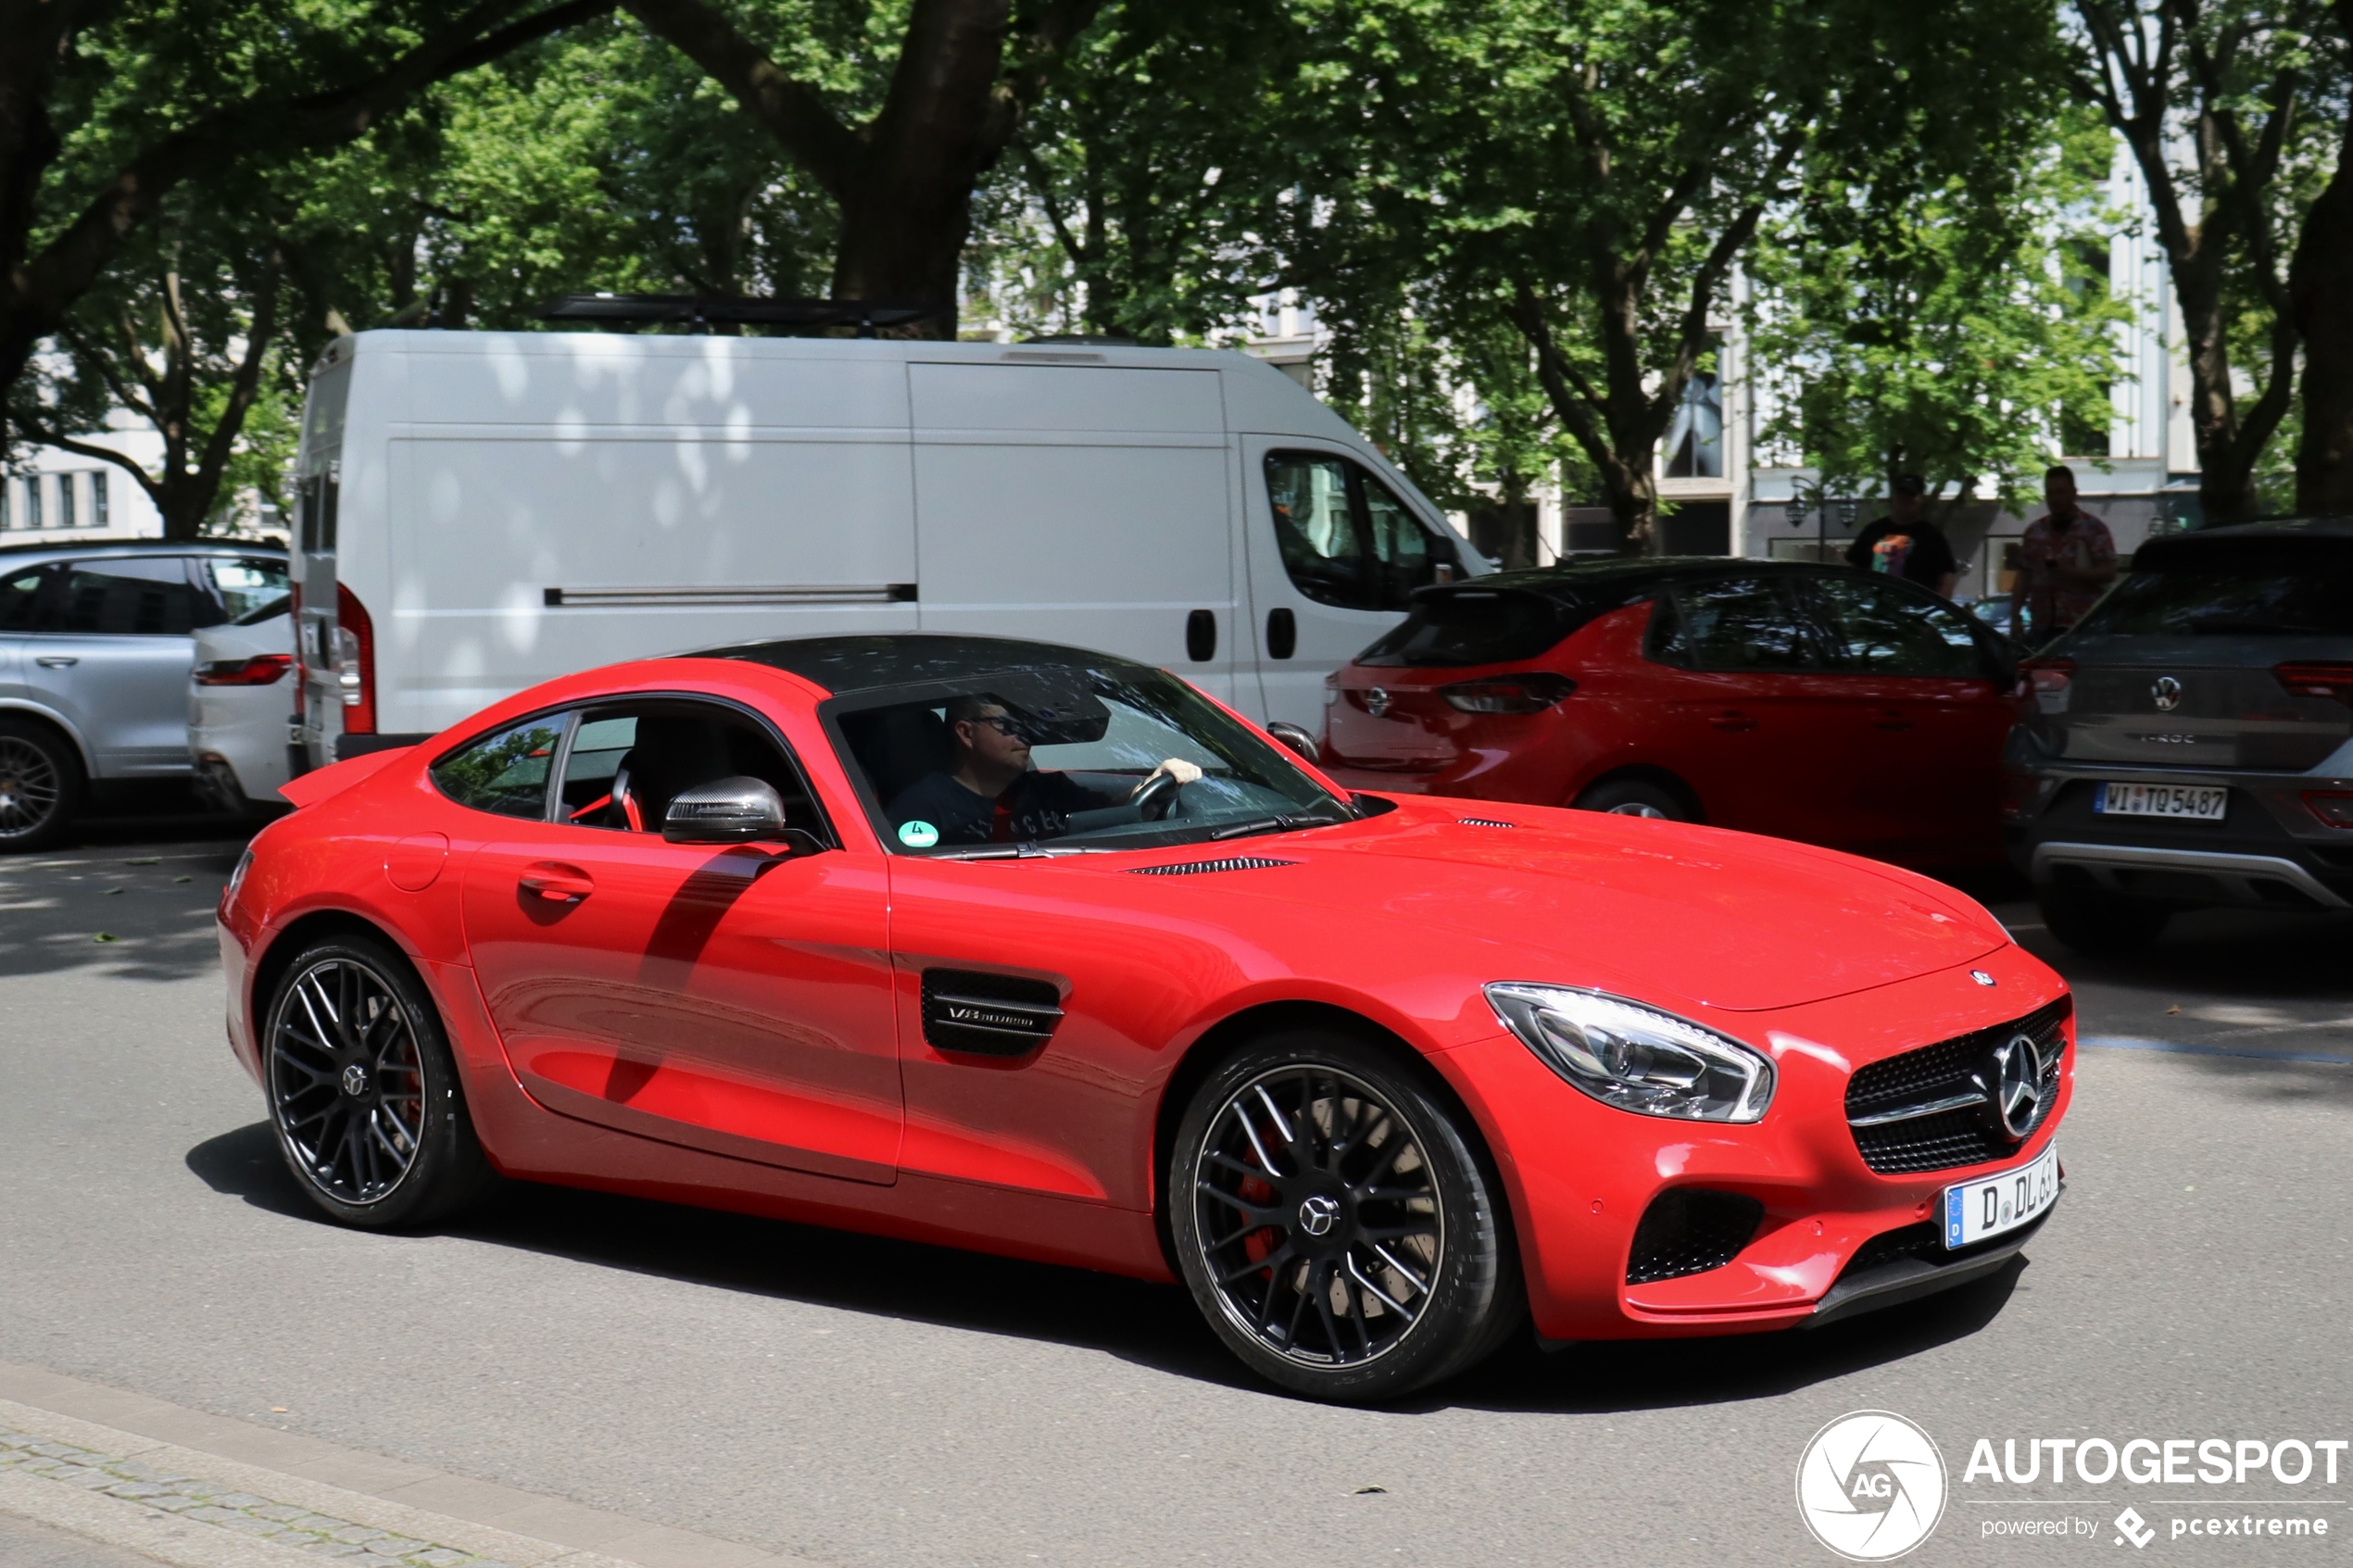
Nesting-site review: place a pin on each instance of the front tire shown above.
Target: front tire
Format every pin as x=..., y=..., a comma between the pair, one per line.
x=1335, y=1224
x=1633, y=797
x=2101, y=924
x=363, y=1090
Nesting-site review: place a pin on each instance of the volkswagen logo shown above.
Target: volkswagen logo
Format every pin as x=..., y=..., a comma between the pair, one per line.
x=1317, y=1215
x=355, y=1080
x=1376, y=702
x=2014, y=1085
x=2166, y=692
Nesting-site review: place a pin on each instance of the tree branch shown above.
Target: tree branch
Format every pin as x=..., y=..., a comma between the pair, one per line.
x=41, y=435
x=793, y=112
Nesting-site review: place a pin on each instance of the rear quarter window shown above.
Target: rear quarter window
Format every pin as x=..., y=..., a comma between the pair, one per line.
x=2285, y=587
x=503, y=773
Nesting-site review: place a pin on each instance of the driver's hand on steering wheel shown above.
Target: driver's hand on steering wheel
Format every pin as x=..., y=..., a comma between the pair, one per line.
x=1176, y=768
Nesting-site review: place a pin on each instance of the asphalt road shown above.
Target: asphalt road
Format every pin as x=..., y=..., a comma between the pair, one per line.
x=873, y=1403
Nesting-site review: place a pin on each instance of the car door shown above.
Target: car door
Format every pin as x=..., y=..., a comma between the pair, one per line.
x=1333, y=556
x=110, y=651
x=1922, y=715
x=1743, y=713
x=730, y=999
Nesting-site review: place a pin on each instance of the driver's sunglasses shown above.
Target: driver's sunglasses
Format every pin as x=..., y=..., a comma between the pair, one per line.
x=1003, y=723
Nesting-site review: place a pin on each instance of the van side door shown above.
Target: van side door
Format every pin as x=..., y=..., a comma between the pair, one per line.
x=1334, y=555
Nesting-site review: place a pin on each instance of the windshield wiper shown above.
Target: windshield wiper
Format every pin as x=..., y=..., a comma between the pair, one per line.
x=1278, y=825
x=1028, y=850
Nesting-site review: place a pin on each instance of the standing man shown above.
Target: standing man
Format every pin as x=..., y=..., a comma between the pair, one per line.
x=2066, y=559
x=1905, y=544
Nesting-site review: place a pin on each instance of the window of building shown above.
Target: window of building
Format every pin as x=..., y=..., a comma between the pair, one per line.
x=65, y=501
x=98, y=498
x=32, y=500
x=1695, y=441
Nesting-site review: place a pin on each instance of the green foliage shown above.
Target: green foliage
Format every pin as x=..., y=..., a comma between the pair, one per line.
x=1963, y=330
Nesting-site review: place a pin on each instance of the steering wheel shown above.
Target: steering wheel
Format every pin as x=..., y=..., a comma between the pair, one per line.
x=1155, y=797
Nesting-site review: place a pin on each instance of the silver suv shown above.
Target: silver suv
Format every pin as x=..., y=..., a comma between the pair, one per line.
x=2190, y=743
x=94, y=650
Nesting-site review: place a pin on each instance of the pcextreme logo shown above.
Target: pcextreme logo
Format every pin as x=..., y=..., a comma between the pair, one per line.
x=1870, y=1486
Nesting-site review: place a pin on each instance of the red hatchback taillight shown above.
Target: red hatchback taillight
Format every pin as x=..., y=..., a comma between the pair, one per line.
x=261, y=670
x=2318, y=680
x=1531, y=693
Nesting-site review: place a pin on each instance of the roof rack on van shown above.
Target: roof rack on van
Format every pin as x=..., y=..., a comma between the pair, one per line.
x=706, y=310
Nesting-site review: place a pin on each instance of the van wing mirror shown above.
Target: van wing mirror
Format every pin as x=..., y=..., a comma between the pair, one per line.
x=736, y=811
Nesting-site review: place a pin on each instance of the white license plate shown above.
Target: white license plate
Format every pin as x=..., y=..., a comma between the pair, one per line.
x=2199, y=803
x=1993, y=1204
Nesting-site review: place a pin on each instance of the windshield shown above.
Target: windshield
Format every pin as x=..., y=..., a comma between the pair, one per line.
x=1118, y=757
x=1460, y=627
x=2263, y=587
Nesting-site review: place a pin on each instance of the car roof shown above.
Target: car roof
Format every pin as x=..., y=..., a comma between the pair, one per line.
x=143, y=547
x=842, y=665
x=2271, y=528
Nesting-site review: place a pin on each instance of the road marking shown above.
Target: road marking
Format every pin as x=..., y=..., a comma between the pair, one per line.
x=2181, y=1047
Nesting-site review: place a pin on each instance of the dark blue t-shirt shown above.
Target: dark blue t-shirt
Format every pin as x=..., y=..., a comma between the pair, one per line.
x=1036, y=806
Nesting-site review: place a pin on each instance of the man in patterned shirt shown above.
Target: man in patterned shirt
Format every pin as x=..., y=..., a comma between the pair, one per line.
x=2066, y=560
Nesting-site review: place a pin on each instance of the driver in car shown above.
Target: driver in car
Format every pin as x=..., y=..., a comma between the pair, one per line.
x=990, y=794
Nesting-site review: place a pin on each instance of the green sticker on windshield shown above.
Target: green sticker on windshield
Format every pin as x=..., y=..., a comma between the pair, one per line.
x=918, y=835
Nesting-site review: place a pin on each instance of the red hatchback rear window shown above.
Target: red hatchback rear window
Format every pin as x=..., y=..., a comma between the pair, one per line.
x=1453, y=628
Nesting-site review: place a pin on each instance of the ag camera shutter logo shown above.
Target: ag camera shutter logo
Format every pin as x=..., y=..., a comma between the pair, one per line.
x=1870, y=1486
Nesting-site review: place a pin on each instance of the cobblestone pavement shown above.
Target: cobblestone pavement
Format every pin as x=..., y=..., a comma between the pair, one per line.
x=216, y=1503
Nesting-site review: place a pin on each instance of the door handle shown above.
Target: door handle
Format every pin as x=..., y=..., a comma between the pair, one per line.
x=57, y=660
x=1282, y=634
x=558, y=884
x=1732, y=719
x=1200, y=636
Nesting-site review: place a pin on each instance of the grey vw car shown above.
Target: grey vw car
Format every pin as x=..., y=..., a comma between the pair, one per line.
x=2190, y=743
x=96, y=642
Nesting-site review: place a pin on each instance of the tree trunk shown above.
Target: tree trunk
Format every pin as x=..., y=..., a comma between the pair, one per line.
x=2322, y=282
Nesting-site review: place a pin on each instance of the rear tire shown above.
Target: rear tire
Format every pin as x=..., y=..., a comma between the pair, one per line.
x=2101, y=924
x=1633, y=797
x=363, y=1090
x=1412, y=1276
x=42, y=785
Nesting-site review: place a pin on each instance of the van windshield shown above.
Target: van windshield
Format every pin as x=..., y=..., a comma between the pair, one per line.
x=2280, y=587
x=1119, y=757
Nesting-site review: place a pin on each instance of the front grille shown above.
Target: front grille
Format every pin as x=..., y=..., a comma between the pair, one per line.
x=1690, y=1230
x=1922, y=1241
x=1950, y=1069
x=1229, y=863
x=983, y=1014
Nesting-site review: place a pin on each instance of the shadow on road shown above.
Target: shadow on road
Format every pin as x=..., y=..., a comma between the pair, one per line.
x=1151, y=1325
x=118, y=902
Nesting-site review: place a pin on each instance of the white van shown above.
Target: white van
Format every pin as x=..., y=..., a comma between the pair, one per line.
x=481, y=511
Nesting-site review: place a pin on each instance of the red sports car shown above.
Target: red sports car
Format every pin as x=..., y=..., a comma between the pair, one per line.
x=1808, y=702
x=1022, y=948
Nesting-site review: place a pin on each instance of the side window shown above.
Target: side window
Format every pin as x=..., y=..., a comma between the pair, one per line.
x=1881, y=629
x=1345, y=537
x=505, y=773
x=236, y=588
x=22, y=602
x=628, y=761
x=145, y=596
x=1316, y=528
x=1734, y=623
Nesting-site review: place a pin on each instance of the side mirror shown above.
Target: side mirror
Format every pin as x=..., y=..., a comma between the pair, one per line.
x=737, y=810
x=1298, y=740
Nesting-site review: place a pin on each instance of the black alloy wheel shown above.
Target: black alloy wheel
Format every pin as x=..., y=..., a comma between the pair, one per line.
x=1334, y=1224
x=363, y=1091
x=39, y=786
x=1633, y=797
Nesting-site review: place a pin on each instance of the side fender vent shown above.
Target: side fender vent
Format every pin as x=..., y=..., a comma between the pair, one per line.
x=983, y=1014
x=1230, y=863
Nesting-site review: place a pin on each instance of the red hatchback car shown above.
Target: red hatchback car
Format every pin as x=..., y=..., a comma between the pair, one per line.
x=1807, y=702
x=1025, y=949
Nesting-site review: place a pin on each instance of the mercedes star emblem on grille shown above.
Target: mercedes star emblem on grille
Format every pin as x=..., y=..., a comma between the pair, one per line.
x=2016, y=1090
x=2166, y=692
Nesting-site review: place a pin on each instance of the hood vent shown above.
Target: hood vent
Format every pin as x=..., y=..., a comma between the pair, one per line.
x=1485, y=822
x=1230, y=863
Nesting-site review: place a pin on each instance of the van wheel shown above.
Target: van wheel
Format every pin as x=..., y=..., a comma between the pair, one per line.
x=2101, y=924
x=1633, y=797
x=364, y=1089
x=41, y=785
x=1334, y=1223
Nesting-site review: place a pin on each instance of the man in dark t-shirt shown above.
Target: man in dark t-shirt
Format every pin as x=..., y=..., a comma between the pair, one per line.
x=988, y=792
x=1905, y=544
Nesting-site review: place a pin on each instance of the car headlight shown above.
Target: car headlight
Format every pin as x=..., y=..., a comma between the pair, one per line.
x=237, y=877
x=1636, y=1057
